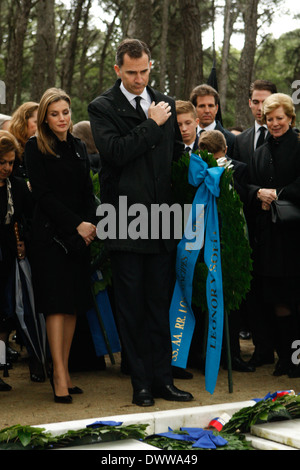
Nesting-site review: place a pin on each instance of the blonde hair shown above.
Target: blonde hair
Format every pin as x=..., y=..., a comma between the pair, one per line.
x=275, y=101
x=184, y=107
x=8, y=143
x=212, y=141
x=18, y=124
x=45, y=137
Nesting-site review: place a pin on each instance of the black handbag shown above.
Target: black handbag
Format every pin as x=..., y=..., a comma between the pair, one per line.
x=285, y=212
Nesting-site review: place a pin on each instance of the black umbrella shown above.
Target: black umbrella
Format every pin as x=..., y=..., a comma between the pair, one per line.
x=213, y=81
x=32, y=325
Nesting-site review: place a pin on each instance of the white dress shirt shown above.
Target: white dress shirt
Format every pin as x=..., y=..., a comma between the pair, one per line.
x=145, y=101
x=257, y=132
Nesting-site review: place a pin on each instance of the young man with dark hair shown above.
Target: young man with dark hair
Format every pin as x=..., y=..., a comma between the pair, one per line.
x=247, y=141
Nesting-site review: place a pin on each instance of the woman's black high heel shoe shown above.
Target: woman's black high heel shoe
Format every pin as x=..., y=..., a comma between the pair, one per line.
x=75, y=390
x=60, y=399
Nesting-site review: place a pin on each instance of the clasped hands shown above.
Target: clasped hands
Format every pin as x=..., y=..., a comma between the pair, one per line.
x=159, y=112
x=266, y=196
x=87, y=231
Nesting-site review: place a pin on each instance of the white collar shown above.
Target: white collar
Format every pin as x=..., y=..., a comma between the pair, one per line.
x=258, y=126
x=210, y=127
x=131, y=96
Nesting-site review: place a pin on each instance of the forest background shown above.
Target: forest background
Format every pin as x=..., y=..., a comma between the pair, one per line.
x=71, y=44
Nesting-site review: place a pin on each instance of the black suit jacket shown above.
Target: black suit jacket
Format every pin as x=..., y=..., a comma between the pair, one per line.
x=241, y=179
x=244, y=145
x=230, y=138
x=136, y=156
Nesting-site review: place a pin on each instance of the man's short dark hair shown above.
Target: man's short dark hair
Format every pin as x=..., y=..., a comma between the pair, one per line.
x=262, y=85
x=203, y=90
x=134, y=48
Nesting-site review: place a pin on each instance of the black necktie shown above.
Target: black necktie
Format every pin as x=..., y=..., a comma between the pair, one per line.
x=261, y=137
x=187, y=149
x=139, y=109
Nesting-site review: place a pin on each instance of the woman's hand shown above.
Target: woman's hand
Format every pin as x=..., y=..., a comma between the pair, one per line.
x=87, y=231
x=266, y=196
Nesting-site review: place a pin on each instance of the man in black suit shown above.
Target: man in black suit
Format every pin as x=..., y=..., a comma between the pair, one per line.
x=250, y=139
x=205, y=99
x=246, y=143
x=137, y=147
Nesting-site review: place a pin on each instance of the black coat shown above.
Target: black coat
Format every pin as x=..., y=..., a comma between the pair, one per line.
x=63, y=195
x=23, y=205
x=61, y=188
x=136, y=157
x=276, y=164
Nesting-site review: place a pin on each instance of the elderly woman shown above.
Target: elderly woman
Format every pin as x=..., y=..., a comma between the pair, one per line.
x=275, y=167
x=15, y=205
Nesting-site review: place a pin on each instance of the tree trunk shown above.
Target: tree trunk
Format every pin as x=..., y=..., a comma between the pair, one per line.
x=19, y=19
x=192, y=40
x=163, y=46
x=107, y=40
x=250, y=15
x=143, y=21
x=67, y=76
x=43, y=71
x=230, y=16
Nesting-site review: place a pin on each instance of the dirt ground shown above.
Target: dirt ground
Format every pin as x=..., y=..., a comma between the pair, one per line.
x=108, y=392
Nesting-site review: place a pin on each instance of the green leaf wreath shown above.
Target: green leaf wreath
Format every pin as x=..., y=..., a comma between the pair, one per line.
x=285, y=407
x=235, y=248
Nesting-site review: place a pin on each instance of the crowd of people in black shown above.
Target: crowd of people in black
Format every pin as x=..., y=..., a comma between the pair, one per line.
x=48, y=216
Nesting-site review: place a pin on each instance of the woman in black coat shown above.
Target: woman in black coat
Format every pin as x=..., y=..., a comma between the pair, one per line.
x=15, y=205
x=62, y=230
x=275, y=167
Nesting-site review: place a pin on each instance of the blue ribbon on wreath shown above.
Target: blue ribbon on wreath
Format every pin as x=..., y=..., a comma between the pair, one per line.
x=202, y=230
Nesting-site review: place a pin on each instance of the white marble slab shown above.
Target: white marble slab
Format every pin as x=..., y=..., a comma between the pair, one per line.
x=159, y=421
x=284, y=432
x=264, y=444
x=126, y=444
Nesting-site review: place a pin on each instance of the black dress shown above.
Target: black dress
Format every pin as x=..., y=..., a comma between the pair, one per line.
x=63, y=194
x=276, y=253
